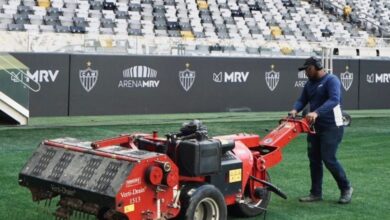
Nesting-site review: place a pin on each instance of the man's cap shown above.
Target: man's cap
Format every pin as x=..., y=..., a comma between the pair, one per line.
x=311, y=61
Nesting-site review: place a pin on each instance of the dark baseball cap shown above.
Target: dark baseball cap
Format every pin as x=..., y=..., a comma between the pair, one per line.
x=311, y=61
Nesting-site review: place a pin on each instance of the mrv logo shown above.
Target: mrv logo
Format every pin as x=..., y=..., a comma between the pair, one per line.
x=32, y=80
x=139, y=77
x=43, y=75
x=233, y=77
x=378, y=78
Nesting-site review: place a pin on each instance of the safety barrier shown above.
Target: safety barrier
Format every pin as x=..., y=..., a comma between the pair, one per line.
x=81, y=84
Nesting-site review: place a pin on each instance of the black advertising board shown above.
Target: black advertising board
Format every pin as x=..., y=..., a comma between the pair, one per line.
x=50, y=72
x=151, y=84
x=348, y=73
x=374, y=87
x=82, y=84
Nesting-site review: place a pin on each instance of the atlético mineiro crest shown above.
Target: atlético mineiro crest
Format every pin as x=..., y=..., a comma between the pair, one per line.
x=88, y=77
x=272, y=78
x=187, y=78
x=346, y=79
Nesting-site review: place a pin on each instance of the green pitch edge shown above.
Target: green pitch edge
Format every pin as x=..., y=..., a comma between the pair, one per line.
x=156, y=119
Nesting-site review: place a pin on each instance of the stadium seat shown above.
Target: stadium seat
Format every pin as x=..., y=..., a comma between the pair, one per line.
x=46, y=28
x=3, y=27
x=239, y=21
x=57, y=3
x=16, y=27
x=65, y=21
x=106, y=31
x=32, y=28
x=29, y=3
x=109, y=5
x=61, y=29
x=44, y=3
x=96, y=5
x=77, y=29
x=6, y=18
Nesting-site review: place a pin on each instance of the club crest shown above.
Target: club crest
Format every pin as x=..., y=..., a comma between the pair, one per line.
x=187, y=78
x=88, y=77
x=272, y=78
x=346, y=79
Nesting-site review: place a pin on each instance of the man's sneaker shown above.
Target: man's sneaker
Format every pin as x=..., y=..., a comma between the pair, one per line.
x=310, y=198
x=346, y=196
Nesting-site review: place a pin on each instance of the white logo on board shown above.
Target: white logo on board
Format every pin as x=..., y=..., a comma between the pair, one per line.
x=139, y=77
x=187, y=78
x=378, y=78
x=233, y=77
x=33, y=80
x=88, y=77
x=346, y=79
x=272, y=78
x=302, y=79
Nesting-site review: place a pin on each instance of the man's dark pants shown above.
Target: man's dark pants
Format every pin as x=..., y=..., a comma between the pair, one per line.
x=322, y=148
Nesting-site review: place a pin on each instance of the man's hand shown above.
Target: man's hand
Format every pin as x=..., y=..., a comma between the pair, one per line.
x=293, y=113
x=311, y=117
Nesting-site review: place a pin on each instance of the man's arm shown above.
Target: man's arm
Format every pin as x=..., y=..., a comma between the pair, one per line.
x=334, y=94
x=302, y=101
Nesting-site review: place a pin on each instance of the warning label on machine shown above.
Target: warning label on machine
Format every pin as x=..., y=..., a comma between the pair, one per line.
x=234, y=175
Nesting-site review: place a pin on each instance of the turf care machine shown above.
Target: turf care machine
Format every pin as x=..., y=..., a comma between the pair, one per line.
x=184, y=175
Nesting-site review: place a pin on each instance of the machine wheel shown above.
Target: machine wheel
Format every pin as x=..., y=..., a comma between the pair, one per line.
x=346, y=119
x=205, y=202
x=252, y=207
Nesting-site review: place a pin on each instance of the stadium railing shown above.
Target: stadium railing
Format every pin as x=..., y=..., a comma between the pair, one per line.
x=13, y=41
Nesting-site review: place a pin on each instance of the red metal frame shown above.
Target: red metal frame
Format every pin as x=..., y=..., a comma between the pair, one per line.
x=249, y=148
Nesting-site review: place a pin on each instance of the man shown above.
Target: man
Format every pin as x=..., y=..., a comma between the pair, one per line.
x=322, y=92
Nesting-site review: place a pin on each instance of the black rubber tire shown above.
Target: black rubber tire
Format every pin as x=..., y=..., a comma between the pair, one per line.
x=243, y=210
x=192, y=197
x=347, y=119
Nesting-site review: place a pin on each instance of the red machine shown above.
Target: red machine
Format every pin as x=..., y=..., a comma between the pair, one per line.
x=142, y=176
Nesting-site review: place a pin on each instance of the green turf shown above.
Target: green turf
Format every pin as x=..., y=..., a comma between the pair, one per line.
x=364, y=153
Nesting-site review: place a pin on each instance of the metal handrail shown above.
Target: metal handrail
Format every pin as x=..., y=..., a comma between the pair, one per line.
x=26, y=42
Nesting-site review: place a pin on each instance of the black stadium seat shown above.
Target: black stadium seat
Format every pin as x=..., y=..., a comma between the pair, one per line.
x=95, y=5
x=54, y=12
x=24, y=9
x=50, y=20
x=21, y=19
x=61, y=29
x=109, y=5
x=77, y=29
x=16, y=27
x=135, y=7
x=173, y=26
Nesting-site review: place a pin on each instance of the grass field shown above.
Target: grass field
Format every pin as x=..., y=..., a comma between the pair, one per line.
x=364, y=153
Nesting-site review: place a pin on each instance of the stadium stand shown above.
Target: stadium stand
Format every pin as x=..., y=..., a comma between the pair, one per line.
x=240, y=27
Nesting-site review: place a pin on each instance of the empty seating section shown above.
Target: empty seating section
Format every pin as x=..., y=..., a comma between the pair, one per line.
x=370, y=15
x=240, y=26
